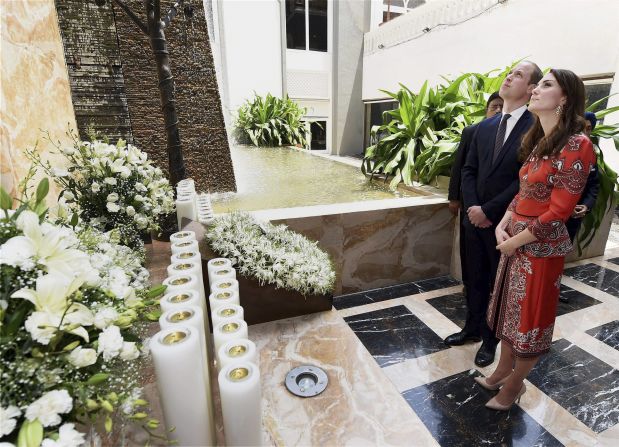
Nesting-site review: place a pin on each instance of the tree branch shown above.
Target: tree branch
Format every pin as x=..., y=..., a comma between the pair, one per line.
x=172, y=13
x=157, y=10
x=131, y=15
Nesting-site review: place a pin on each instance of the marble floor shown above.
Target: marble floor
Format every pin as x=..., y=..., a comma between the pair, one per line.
x=394, y=382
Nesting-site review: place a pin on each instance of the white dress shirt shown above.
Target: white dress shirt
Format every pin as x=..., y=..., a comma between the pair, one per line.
x=512, y=120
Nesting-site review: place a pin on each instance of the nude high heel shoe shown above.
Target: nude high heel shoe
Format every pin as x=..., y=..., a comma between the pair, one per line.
x=494, y=405
x=482, y=381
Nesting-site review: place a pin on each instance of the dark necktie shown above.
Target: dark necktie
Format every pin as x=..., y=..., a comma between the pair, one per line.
x=500, y=136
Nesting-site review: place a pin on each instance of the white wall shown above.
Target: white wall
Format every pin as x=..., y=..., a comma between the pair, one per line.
x=581, y=35
x=251, y=49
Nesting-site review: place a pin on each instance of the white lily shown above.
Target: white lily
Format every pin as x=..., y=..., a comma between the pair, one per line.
x=52, y=291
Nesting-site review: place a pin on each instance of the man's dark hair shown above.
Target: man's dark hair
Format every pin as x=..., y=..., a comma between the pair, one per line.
x=492, y=97
x=590, y=116
x=536, y=74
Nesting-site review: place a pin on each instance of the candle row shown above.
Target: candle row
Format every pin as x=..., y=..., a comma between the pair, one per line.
x=180, y=349
x=185, y=201
x=191, y=205
x=239, y=375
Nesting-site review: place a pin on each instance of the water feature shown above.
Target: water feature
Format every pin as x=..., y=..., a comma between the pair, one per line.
x=270, y=178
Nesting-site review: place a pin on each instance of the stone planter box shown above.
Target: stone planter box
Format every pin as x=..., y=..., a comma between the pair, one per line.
x=262, y=303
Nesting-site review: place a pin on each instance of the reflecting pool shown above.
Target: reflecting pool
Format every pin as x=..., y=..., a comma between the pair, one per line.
x=270, y=178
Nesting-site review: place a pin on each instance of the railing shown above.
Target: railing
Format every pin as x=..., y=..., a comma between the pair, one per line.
x=424, y=18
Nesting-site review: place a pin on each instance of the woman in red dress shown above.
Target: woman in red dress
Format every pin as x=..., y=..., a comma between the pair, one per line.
x=532, y=236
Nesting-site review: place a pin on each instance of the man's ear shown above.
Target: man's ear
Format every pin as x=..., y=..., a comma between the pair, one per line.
x=530, y=89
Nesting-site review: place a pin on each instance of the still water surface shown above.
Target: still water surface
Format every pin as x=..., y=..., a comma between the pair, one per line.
x=269, y=178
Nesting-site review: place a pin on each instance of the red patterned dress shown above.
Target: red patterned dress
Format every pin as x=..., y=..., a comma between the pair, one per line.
x=523, y=304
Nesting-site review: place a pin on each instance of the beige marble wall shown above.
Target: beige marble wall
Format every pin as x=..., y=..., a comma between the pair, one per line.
x=34, y=87
x=378, y=248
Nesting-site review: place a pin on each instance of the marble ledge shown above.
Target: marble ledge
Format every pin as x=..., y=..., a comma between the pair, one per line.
x=343, y=208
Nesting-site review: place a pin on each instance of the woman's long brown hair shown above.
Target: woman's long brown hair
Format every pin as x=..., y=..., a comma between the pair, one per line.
x=571, y=120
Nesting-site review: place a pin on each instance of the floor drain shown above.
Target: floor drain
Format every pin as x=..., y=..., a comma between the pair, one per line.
x=306, y=381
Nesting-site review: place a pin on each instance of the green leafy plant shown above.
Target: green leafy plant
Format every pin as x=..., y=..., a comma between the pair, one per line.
x=272, y=121
x=608, y=194
x=418, y=140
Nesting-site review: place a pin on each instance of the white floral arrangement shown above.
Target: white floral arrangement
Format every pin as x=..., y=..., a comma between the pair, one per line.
x=272, y=254
x=112, y=187
x=74, y=307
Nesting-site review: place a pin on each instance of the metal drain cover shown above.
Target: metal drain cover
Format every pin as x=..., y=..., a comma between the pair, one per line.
x=306, y=381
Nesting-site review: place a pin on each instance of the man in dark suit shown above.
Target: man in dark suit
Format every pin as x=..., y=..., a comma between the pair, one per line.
x=489, y=183
x=494, y=105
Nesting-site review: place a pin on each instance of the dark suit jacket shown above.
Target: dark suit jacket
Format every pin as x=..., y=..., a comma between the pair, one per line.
x=455, y=190
x=493, y=185
x=590, y=193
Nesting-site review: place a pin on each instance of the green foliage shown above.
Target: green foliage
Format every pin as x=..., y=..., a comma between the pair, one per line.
x=608, y=195
x=418, y=140
x=272, y=121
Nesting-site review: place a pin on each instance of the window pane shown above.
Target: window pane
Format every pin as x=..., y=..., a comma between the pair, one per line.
x=595, y=92
x=295, y=24
x=318, y=25
x=319, y=135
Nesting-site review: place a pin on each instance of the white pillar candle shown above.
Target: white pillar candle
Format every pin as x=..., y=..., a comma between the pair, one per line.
x=185, y=207
x=241, y=404
x=234, y=351
x=193, y=317
x=223, y=298
x=187, y=256
x=206, y=220
x=219, y=273
x=229, y=330
x=182, y=236
x=226, y=313
x=186, y=182
x=181, y=385
x=225, y=285
x=180, y=282
x=179, y=247
x=216, y=263
x=190, y=268
x=183, y=297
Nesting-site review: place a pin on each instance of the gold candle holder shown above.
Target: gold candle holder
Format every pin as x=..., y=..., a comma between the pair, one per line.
x=181, y=297
x=180, y=281
x=227, y=312
x=230, y=327
x=174, y=337
x=238, y=374
x=183, y=266
x=186, y=254
x=237, y=350
x=180, y=316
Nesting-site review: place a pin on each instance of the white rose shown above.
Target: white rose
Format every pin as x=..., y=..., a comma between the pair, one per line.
x=110, y=342
x=68, y=436
x=109, y=180
x=138, y=198
x=130, y=211
x=8, y=419
x=68, y=151
x=129, y=351
x=82, y=357
x=105, y=317
x=112, y=207
x=140, y=187
x=47, y=408
x=112, y=197
x=69, y=195
x=95, y=187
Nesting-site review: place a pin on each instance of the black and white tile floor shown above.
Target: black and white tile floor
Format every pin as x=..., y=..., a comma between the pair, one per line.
x=572, y=394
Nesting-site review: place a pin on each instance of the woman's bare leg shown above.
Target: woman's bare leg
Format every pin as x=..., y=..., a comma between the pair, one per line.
x=504, y=368
x=512, y=387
